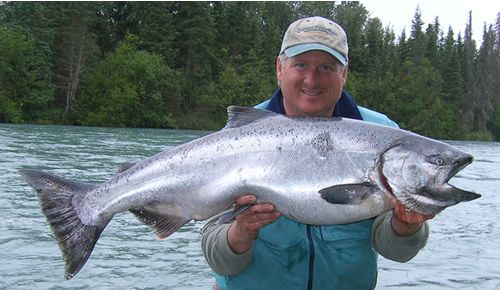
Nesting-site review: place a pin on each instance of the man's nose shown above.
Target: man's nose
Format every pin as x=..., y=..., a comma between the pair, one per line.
x=311, y=76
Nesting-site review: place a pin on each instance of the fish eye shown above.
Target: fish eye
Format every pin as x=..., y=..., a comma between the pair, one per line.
x=439, y=161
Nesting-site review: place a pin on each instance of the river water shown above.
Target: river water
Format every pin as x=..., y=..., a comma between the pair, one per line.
x=462, y=252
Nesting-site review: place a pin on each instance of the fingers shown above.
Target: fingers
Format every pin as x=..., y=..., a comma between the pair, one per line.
x=246, y=199
x=406, y=222
x=247, y=224
x=258, y=216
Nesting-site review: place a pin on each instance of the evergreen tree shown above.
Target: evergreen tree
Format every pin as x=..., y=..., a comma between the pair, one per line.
x=314, y=8
x=238, y=31
x=115, y=21
x=450, y=70
x=420, y=105
x=276, y=17
x=352, y=16
x=449, y=66
x=484, y=82
x=494, y=126
x=432, y=43
x=367, y=85
x=157, y=30
x=467, y=53
x=73, y=48
x=196, y=56
x=403, y=47
x=417, y=42
x=374, y=48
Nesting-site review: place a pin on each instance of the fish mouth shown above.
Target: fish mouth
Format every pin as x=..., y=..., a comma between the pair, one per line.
x=458, y=165
x=442, y=194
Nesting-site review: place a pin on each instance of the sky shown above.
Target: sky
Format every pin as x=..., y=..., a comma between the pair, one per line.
x=454, y=13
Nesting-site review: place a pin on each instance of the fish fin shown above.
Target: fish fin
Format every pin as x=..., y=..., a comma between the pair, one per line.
x=125, y=166
x=231, y=215
x=238, y=116
x=76, y=240
x=348, y=193
x=163, y=224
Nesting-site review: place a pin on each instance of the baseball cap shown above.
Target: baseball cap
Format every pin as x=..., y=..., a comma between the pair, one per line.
x=315, y=33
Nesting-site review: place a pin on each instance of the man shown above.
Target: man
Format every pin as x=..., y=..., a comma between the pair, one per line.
x=263, y=250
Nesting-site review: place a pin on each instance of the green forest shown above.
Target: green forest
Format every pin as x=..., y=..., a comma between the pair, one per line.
x=180, y=64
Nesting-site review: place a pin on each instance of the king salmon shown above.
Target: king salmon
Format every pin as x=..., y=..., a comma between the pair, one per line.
x=317, y=171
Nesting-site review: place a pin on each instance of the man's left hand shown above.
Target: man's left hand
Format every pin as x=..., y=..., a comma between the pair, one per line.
x=406, y=222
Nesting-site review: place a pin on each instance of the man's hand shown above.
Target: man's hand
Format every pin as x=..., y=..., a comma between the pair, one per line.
x=246, y=227
x=406, y=222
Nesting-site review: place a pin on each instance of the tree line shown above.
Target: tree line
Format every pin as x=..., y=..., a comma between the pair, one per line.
x=180, y=64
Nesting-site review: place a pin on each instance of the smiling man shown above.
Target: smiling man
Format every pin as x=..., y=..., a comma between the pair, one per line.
x=262, y=249
x=312, y=67
x=312, y=82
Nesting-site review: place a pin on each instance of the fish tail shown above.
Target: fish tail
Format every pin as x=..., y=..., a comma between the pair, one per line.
x=76, y=240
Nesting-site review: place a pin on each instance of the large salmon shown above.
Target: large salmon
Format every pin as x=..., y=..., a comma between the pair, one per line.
x=314, y=170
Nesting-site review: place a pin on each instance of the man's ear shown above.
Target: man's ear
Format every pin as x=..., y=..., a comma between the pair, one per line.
x=344, y=74
x=279, y=70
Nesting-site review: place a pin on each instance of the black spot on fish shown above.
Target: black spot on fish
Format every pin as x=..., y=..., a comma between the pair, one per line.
x=322, y=144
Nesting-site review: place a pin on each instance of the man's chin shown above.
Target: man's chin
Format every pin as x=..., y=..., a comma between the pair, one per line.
x=315, y=111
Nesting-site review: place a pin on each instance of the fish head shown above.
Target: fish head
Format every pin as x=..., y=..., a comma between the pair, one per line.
x=417, y=170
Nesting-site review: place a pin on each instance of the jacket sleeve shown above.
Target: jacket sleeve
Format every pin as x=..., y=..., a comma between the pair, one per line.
x=218, y=254
x=397, y=248
x=376, y=117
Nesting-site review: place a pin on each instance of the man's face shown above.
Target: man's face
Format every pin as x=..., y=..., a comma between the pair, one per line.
x=311, y=83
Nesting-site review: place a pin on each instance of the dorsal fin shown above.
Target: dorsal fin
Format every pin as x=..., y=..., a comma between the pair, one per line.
x=238, y=116
x=125, y=166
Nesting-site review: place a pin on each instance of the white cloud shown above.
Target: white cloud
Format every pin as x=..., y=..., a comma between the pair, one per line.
x=454, y=13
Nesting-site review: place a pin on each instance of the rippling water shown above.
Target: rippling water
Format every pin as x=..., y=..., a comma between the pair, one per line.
x=462, y=252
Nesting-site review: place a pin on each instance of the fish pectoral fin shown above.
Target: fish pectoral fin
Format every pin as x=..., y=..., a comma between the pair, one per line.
x=348, y=193
x=163, y=224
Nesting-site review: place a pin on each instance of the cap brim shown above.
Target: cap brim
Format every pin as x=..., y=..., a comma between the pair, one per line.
x=301, y=48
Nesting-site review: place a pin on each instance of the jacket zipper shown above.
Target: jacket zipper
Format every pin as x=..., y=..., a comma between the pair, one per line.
x=311, y=258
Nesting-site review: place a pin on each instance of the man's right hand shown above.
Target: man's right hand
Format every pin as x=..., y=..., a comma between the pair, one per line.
x=246, y=227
